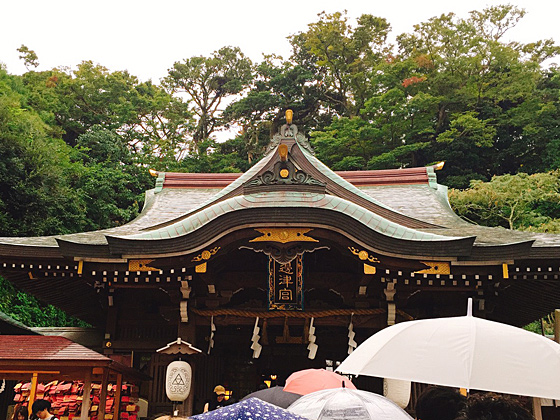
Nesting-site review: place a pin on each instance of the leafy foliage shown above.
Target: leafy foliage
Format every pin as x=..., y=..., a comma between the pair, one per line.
x=342, y=57
x=35, y=197
x=30, y=312
x=29, y=57
x=207, y=81
x=521, y=201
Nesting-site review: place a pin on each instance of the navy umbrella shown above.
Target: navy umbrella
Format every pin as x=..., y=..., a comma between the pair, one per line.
x=249, y=409
x=275, y=395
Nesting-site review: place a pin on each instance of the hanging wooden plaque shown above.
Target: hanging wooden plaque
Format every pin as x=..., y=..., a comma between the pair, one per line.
x=285, y=285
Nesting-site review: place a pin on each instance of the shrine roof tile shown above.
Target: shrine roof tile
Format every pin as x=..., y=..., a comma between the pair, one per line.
x=419, y=201
x=51, y=348
x=286, y=199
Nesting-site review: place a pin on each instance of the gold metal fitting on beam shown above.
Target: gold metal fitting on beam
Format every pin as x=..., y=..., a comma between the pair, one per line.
x=505, y=271
x=201, y=268
x=435, y=268
x=363, y=255
x=141, y=265
x=369, y=269
x=284, y=235
x=206, y=254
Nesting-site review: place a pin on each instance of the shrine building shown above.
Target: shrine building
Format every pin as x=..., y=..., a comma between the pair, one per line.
x=284, y=267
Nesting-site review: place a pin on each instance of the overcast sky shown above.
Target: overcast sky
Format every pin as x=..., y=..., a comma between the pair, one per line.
x=146, y=38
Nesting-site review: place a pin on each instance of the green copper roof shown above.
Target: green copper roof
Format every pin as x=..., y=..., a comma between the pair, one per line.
x=289, y=199
x=334, y=177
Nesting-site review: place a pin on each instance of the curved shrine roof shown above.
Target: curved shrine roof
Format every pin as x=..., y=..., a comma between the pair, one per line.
x=405, y=204
x=402, y=213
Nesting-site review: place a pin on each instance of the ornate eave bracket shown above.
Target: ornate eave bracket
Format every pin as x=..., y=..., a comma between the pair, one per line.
x=284, y=173
x=284, y=244
x=283, y=253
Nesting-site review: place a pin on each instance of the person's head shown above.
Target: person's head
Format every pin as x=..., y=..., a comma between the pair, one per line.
x=168, y=417
x=490, y=406
x=439, y=403
x=220, y=392
x=20, y=413
x=41, y=409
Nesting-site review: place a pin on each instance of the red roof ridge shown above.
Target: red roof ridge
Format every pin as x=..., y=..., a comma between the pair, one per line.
x=403, y=176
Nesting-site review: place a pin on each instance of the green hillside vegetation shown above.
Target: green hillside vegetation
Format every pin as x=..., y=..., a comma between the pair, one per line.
x=76, y=144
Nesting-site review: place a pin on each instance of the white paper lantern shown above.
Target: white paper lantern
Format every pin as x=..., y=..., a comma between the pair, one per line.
x=397, y=391
x=178, y=381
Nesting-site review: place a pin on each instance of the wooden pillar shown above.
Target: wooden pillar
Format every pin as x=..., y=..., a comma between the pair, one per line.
x=33, y=391
x=103, y=394
x=187, y=332
x=86, y=394
x=537, y=411
x=189, y=403
x=556, y=325
x=117, y=402
x=110, y=327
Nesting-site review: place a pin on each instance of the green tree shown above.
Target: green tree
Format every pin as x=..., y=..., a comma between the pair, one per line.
x=161, y=132
x=346, y=144
x=342, y=57
x=30, y=312
x=110, y=181
x=521, y=201
x=35, y=197
x=149, y=120
x=90, y=95
x=28, y=56
x=208, y=82
x=455, y=92
x=278, y=85
x=472, y=72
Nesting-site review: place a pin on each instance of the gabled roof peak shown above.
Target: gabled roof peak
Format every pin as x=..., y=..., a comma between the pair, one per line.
x=288, y=133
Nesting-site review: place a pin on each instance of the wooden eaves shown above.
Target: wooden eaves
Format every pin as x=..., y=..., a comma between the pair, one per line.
x=46, y=358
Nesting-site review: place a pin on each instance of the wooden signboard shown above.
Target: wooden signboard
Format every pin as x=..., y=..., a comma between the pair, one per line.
x=285, y=285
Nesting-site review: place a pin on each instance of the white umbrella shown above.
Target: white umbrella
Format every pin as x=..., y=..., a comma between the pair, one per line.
x=347, y=404
x=466, y=352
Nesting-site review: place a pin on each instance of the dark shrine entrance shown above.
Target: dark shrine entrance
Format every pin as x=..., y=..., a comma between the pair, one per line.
x=231, y=364
x=240, y=287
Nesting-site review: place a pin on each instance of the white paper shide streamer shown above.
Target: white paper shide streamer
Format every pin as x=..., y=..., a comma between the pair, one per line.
x=351, y=334
x=312, y=347
x=256, y=347
x=212, y=331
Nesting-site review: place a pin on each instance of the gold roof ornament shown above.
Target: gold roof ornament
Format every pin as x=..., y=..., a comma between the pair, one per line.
x=289, y=116
x=439, y=166
x=283, y=152
x=153, y=172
